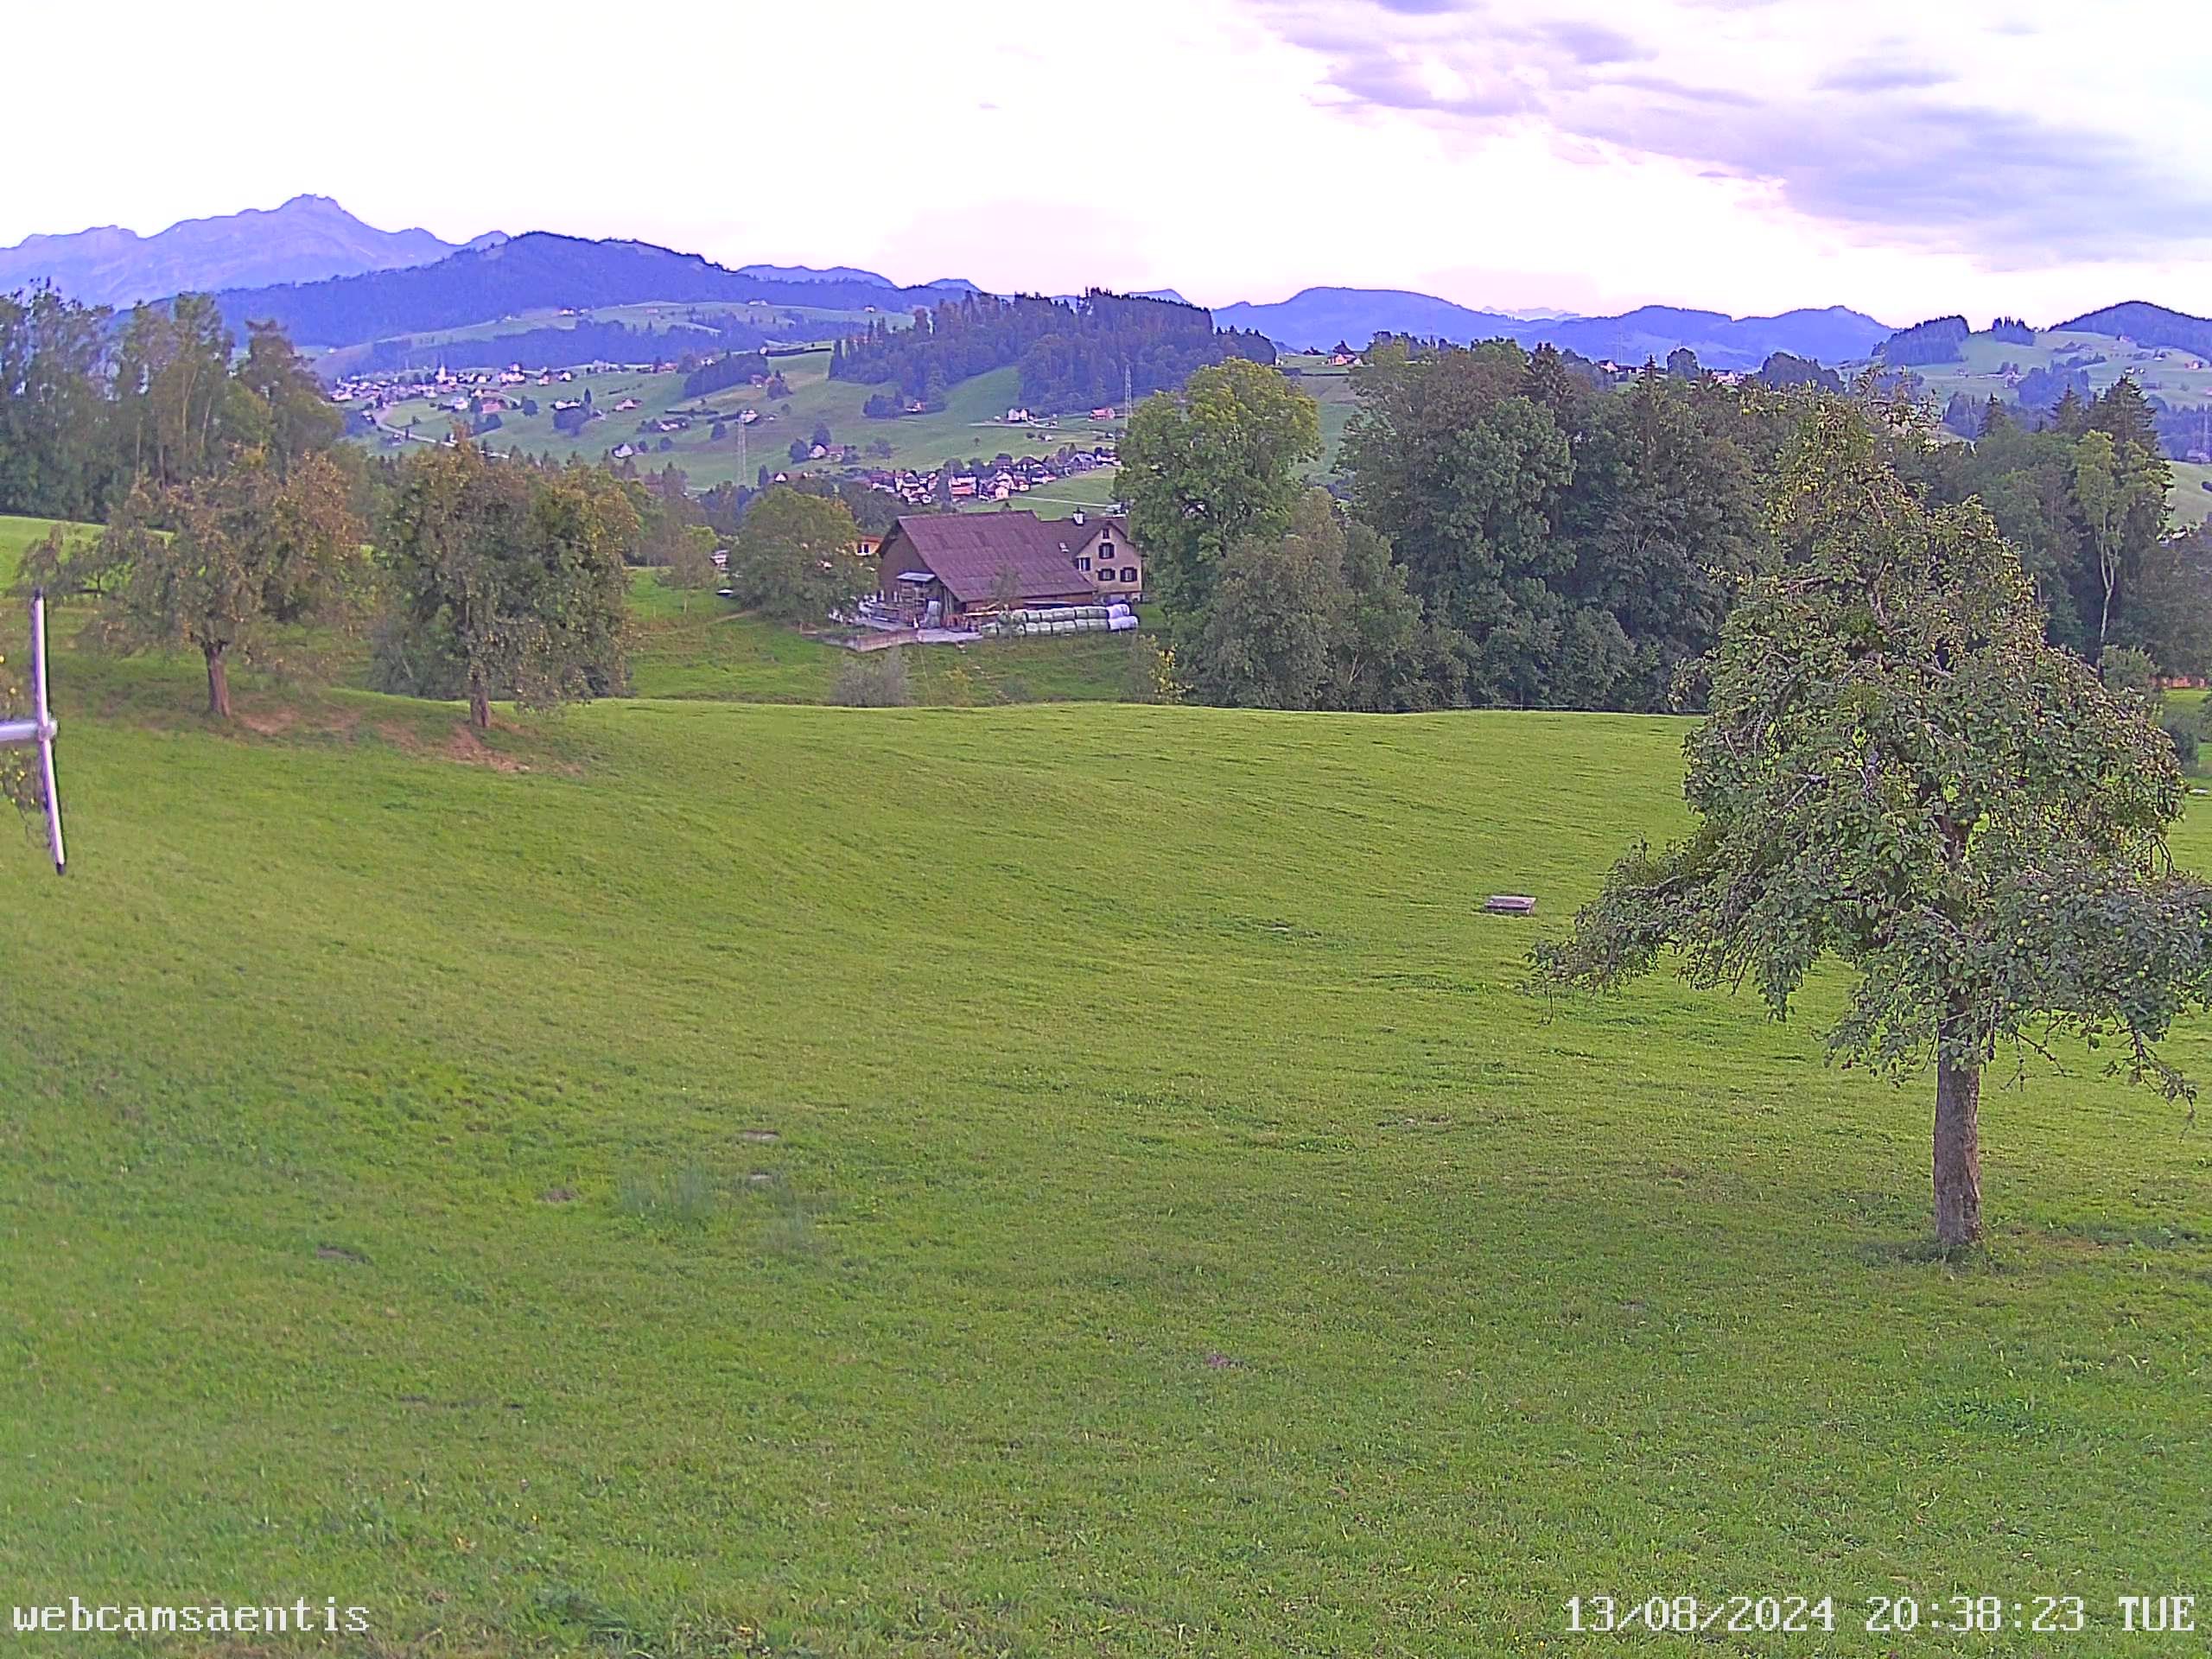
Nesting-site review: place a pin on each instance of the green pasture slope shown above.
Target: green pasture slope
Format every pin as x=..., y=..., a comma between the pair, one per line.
x=971, y=424
x=700, y=1177
x=2161, y=371
x=706, y=650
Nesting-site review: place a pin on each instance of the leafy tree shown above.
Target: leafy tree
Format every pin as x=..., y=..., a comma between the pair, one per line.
x=1899, y=770
x=1466, y=476
x=1277, y=607
x=2173, y=603
x=1782, y=370
x=512, y=581
x=1316, y=618
x=1206, y=470
x=174, y=395
x=53, y=410
x=2120, y=493
x=797, y=556
x=689, y=563
x=288, y=415
x=221, y=565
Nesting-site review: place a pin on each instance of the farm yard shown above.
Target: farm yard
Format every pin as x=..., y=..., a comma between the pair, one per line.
x=1000, y=1179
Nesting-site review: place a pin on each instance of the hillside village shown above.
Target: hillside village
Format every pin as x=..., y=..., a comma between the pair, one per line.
x=483, y=402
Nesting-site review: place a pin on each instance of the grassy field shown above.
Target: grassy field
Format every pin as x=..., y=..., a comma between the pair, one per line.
x=787, y=324
x=700, y=646
x=686, y=1177
x=713, y=652
x=1332, y=389
x=2161, y=371
x=970, y=425
x=2190, y=497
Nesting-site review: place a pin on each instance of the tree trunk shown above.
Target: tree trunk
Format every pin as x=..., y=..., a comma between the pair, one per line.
x=1958, y=1153
x=480, y=702
x=219, y=682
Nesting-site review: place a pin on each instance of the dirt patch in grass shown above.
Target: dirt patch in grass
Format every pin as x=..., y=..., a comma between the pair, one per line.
x=270, y=722
x=340, y=1253
x=462, y=745
x=469, y=749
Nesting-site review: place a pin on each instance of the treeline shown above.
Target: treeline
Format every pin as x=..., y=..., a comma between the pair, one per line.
x=1936, y=341
x=1076, y=354
x=237, y=523
x=735, y=368
x=1513, y=536
x=89, y=410
x=2083, y=501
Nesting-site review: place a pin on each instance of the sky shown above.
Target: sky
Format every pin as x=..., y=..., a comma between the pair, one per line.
x=1906, y=157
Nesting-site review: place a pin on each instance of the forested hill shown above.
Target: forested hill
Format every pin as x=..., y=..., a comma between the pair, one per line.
x=1072, y=354
x=535, y=272
x=2147, y=325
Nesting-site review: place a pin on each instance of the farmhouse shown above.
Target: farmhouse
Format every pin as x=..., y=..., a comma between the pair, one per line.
x=1101, y=550
x=969, y=562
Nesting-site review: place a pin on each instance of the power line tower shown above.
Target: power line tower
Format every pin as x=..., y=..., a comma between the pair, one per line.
x=38, y=732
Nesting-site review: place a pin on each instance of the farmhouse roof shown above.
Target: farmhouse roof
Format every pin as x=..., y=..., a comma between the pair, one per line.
x=967, y=552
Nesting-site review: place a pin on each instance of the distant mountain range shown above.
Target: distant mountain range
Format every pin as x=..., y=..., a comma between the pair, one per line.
x=538, y=272
x=542, y=271
x=306, y=240
x=1319, y=317
x=334, y=280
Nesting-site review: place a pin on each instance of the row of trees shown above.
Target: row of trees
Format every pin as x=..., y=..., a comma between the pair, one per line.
x=488, y=578
x=90, y=411
x=1521, y=535
x=235, y=522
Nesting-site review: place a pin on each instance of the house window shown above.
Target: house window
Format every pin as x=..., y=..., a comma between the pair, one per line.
x=1105, y=549
x=1128, y=573
x=1083, y=564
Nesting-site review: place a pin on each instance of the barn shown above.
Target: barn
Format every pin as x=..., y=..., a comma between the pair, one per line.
x=969, y=562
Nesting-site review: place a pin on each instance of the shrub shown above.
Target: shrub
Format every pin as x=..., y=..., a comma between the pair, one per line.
x=2183, y=735
x=874, y=681
x=1149, y=675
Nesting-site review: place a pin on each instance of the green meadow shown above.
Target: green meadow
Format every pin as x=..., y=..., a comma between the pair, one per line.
x=971, y=424
x=694, y=1176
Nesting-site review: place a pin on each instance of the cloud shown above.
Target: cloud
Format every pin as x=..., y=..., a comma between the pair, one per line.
x=1591, y=43
x=1882, y=75
x=2005, y=157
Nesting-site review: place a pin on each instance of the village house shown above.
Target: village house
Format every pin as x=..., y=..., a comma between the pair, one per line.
x=971, y=562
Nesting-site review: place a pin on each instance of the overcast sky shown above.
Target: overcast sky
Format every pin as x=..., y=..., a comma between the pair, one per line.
x=1906, y=157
